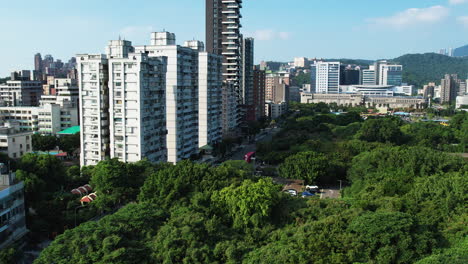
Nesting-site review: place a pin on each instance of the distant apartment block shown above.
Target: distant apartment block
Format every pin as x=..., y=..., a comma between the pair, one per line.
x=276, y=89
x=21, y=90
x=248, y=79
x=449, y=88
x=259, y=82
x=15, y=143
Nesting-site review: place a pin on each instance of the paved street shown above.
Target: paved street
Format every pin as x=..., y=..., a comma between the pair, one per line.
x=239, y=155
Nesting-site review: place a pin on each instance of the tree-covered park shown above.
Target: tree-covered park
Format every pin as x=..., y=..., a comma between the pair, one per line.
x=405, y=201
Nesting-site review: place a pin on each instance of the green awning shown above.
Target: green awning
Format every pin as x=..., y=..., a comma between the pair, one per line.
x=70, y=131
x=207, y=147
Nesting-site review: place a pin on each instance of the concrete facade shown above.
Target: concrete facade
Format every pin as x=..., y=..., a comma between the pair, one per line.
x=12, y=212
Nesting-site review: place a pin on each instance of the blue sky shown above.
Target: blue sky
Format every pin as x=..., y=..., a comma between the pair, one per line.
x=368, y=29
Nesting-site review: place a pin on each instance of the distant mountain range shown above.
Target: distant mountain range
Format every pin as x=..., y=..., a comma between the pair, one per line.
x=461, y=52
x=419, y=69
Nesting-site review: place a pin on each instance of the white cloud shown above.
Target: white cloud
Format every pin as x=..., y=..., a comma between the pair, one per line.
x=457, y=2
x=137, y=32
x=413, y=16
x=269, y=34
x=463, y=20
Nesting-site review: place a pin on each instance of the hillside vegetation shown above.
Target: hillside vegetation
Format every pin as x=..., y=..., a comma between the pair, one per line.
x=419, y=69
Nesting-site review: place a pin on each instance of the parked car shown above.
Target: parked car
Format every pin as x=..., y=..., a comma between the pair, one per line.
x=312, y=188
x=291, y=192
x=307, y=194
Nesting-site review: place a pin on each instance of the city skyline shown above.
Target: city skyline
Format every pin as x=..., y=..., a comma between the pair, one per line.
x=349, y=32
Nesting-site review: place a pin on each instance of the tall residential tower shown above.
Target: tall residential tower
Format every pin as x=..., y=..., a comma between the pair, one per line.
x=223, y=37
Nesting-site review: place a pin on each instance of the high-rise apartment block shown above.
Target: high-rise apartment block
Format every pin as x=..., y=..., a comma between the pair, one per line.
x=93, y=80
x=259, y=81
x=210, y=100
x=181, y=94
x=137, y=112
x=449, y=88
x=160, y=101
x=122, y=101
x=247, y=79
x=223, y=37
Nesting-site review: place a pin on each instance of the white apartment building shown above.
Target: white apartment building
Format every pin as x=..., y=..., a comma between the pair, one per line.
x=182, y=90
x=327, y=77
x=12, y=209
x=93, y=76
x=137, y=111
x=15, y=143
x=210, y=101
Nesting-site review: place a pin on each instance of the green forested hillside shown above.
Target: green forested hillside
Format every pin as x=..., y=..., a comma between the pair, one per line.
x=419, y=69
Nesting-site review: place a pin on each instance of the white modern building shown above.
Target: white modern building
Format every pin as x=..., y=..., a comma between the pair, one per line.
x=12, y=209
x=137, y=100
x=369, y=76
x=93, y=77
x=181, y=94
x=378, y=90
x=15, y=143
x=327, y=77
x=390, y=74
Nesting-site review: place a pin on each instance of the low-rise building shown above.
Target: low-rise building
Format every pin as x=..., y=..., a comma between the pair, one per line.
x=12, y=209
x=21, y=90
x=15, y=143
x=462, y=102
x=45, y=119
x=356, y=99
x=275, y=109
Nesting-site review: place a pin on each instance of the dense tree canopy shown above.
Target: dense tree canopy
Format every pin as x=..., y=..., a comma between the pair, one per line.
x=404, y=201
